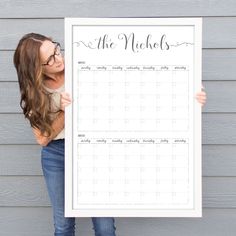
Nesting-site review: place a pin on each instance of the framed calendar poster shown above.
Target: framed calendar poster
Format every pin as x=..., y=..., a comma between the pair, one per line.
x=133, y=131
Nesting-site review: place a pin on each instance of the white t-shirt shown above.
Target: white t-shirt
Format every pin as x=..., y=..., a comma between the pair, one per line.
x=56, y=106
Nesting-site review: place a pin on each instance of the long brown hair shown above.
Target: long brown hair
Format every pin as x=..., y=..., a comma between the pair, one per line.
x=35, y=100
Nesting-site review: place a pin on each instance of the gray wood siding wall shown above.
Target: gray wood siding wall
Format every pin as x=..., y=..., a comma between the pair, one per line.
x=24, y=204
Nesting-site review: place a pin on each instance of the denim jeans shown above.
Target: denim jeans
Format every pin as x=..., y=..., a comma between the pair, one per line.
x=53, y=170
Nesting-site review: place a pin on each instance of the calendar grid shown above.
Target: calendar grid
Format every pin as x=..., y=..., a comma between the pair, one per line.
x=165, y=105
x=126, y=99
x=153, y=186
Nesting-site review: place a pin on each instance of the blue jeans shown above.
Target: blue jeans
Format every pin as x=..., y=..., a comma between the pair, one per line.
x=53, y=170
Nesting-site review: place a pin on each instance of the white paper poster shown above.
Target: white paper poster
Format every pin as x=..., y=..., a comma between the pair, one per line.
x=133, y=131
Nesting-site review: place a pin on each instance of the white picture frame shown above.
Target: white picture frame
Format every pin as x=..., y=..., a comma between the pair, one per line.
x=93, y=44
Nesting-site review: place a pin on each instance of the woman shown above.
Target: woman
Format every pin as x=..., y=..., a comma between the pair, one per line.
x=40, y=70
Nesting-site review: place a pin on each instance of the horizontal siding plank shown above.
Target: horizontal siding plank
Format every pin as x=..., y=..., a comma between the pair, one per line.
x=112, y=8
x=23, y=191
x=15, y=129
x=38, y=222
x=25, y=160
x=26, y=221
x=217, y=129
x=218, y=64
x=214, y=222
x=218, y=32
x=221, y=97
x=218, y=192
x=8, y=72
x=20, y=160
x=219, y=160
x=35, y=221
x=49, y=27
x=10, y=97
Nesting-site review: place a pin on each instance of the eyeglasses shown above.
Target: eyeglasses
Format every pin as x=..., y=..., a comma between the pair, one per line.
x=51, y=60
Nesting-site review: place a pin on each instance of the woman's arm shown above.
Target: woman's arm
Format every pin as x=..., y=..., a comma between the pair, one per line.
x=58, y=123
x=57, y=126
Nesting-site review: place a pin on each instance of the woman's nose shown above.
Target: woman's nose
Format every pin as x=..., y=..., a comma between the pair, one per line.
x=58, y=58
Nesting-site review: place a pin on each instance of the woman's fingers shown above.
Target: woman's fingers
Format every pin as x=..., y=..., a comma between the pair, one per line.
x=65, y=96
x=201, y=97
x=201, y=94
x=65, y=100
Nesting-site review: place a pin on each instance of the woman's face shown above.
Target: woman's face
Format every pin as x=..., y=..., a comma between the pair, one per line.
x=51, y=58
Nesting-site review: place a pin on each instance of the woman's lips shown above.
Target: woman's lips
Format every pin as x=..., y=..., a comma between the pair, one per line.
x=59, y=65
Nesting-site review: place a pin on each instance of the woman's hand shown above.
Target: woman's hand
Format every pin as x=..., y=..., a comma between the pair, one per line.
x=201, y=97
x=65, y=100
